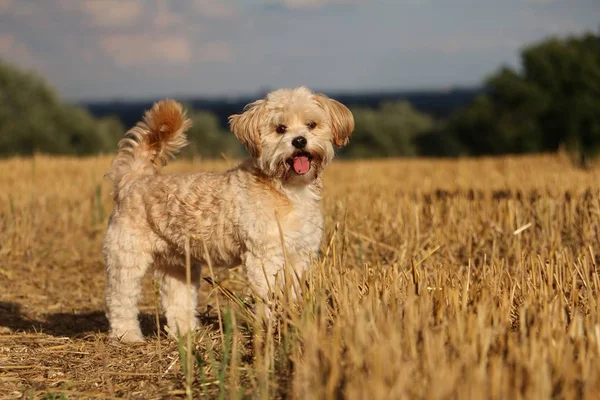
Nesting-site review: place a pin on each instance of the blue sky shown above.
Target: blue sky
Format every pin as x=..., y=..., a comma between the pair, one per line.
x=125, y=49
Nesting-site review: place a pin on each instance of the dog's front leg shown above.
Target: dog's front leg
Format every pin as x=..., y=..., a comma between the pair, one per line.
x=299, y=265
x=263, y=272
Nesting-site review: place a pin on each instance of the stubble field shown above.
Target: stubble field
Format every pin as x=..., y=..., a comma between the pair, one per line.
x=438, y=279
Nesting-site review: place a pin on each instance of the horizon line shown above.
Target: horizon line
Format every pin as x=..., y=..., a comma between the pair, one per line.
x=261, y=92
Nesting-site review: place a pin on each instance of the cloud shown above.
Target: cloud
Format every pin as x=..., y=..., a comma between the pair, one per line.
x=457, y=44
x=17, y=52
x=5, y=5
x=215, y=52
x=13, y=8
x=550, y=24
x=215, y=9
x=6, y=42
x=164, y=18
x=541, y=2
x=303, y=4
x=106, y=13
x=106, y=48
x=132, y=50
x=307, y=5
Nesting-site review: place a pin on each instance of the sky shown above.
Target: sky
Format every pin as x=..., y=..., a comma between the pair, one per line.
x=139, y=49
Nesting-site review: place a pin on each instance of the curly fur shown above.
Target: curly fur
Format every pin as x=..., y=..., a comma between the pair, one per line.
x=228, y=218
x=152, y=142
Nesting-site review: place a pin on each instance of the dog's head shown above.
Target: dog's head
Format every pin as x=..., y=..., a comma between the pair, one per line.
x=291, y=132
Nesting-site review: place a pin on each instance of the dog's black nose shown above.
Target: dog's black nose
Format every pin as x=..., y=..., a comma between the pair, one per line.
x=299, y=142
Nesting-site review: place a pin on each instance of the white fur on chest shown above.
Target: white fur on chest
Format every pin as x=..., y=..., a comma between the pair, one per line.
x=303, y=226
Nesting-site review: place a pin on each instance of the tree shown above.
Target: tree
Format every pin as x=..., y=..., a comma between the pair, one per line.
x=387, y=132
x=568, y=71
x=32, y=118
x=554, y=101
x=207, y=138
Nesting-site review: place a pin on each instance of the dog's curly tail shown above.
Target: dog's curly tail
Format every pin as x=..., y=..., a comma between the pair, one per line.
x=152, y=142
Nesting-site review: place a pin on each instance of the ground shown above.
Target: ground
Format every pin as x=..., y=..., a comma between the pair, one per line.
x=470, y=278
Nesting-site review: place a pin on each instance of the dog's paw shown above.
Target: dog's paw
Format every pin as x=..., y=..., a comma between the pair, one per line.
x=175, y=333
x=127, y=336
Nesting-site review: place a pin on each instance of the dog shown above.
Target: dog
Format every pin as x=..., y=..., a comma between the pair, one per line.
x=237, y=217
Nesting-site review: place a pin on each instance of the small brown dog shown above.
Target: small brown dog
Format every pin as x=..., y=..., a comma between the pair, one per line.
x=290, y=136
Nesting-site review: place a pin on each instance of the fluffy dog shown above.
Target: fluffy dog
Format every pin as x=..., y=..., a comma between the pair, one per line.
x=227, y=219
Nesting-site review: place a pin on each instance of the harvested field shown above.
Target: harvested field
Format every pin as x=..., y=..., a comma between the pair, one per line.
x=439, y=279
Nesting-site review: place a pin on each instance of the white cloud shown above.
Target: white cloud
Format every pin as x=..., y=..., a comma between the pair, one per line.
x=303, y=4
x=215, y=9
x=215, y=52
x=541, y=2
x=94, y=48
x=106, y=13
x=457, y=44
x=5, y=5
x=13, y=8
x=140, y=49
x=312, y=4
x=545, y=23
x=17, y=52
x=6, y=42
x=164, y=18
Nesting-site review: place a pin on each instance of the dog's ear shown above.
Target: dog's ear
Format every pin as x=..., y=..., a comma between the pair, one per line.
x=246, y=126
x=342, y=120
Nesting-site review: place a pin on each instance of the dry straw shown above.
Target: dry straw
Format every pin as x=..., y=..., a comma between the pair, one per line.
x=438, y=279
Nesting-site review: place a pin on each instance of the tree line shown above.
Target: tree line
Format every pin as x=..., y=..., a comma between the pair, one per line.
x=551, y=102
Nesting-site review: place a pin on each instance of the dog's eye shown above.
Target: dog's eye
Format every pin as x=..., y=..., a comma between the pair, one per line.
x=311, y=125
x=281, y=128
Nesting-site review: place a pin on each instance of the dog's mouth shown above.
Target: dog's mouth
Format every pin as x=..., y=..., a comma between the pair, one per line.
x=300, y=162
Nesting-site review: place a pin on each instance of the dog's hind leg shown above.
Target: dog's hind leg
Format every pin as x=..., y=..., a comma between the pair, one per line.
x=126, y=265
x=178, y=300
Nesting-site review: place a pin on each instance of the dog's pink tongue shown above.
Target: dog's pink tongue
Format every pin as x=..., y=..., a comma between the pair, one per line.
x=301, y=165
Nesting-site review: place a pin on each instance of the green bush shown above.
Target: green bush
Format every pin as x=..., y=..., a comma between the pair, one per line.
x=32, y=118
x=390, y=131
x=553, y=102
x=208, y=139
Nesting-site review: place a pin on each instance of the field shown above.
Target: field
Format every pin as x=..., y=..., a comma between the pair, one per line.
x=438, y=280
